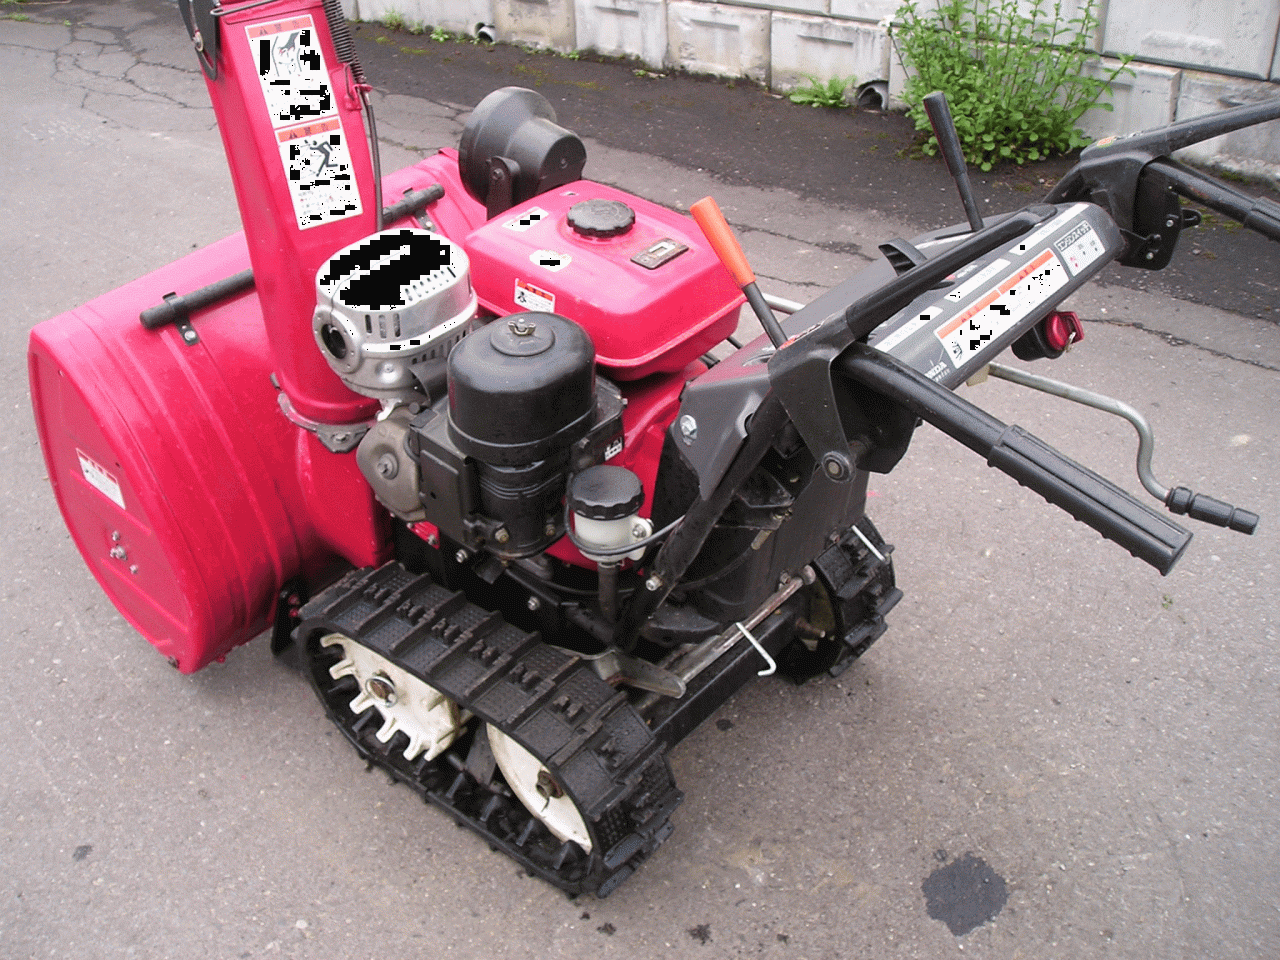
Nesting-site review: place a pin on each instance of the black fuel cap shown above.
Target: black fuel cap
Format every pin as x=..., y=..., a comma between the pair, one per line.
x=601, y=218
x=606, y=493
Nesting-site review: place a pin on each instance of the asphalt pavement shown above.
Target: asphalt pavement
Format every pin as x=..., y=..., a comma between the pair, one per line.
x=1086, y=751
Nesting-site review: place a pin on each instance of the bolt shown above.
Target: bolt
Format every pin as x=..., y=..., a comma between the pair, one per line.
x=1151, y=255
x=388, y=466
x=433, y=541
x=133, y=568
x=688, y=429
x=198, y=40
x=501, y=535
x=461, y=556
x=637, y=531
x=115, y=536
x=534, y=604
x=380, y=687
x=836, y=466
x=547, y=787
x=118, y=553
x=522, y=327
x=1169, y=223
x=653, y=584
x=549, y=530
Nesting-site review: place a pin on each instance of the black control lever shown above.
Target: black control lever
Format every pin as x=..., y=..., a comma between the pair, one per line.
x=944, y=128
x=1090, y=498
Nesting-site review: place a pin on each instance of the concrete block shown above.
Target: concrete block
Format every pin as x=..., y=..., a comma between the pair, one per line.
x=1147, y=99
x=717, y=39
x=898, y=75
x=811, y=46
x=870, y=11
x=623, y=28
x=456, y=16
x=1237, y=35
x=351, y=9
x=1255, y=150
x=805, y=6
x=539, y=23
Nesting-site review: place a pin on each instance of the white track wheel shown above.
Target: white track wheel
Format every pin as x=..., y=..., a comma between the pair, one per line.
x=533, y=784
x=427, y=717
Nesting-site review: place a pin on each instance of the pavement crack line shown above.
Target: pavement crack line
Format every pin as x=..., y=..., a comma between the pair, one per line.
x=1173, y=340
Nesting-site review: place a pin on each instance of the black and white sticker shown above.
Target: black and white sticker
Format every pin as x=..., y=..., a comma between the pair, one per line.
x=1079, y=248
x=295, y=86
x=550, y=260
x=527, y=220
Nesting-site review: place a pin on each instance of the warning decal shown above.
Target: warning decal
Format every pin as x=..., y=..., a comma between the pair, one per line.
x=100, y=479
x=534, y=298
x=295, y=85
x=998, y=311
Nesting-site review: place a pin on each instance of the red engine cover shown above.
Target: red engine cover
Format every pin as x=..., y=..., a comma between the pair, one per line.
x=653, y=298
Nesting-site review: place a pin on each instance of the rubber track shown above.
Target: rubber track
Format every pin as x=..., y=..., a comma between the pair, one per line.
x=593, y=743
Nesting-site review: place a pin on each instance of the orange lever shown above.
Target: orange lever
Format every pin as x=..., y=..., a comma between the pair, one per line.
x=720, y=235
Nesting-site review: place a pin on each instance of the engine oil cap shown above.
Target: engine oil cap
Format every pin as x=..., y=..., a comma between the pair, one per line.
x=522, y=335
x=601, y=218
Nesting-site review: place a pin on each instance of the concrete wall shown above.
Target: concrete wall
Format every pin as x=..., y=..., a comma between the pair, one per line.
x=1191, y=56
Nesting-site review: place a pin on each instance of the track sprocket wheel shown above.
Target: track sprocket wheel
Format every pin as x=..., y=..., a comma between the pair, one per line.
x=428, y=719
x=536, y=788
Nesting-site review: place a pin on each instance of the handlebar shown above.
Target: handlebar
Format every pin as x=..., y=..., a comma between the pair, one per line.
x=1090, y=498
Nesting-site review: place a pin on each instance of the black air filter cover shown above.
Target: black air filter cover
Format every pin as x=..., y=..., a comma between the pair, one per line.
x=521, y=389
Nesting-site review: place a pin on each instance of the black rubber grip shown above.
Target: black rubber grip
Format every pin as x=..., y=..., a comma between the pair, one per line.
x=1197, y=506
x=176, y=308
x=1090, y=498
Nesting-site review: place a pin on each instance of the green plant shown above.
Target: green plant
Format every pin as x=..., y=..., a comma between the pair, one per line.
x=439, y=34
x=393, y=20
x=1017, y=82
x=823, y=94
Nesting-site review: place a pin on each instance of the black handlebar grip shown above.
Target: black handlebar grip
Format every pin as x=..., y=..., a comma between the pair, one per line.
x=1197, y=506
x=1091, y=499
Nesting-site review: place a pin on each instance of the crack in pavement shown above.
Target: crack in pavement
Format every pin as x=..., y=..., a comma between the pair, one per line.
x=1173, y=340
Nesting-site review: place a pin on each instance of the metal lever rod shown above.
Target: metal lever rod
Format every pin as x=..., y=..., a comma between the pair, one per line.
x=1180, y=499
x=944, y=128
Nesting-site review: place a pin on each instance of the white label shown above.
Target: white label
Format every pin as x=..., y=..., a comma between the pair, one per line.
x=976, y=327
x=534, y=298
x=100, y=479
x=986, y=275
x=1080, y=247
x=291, y=70
x=550, y=260
x=321, y=183
x=530, y=218
x=300, y=103
x=907, y=329
x=1053, y=226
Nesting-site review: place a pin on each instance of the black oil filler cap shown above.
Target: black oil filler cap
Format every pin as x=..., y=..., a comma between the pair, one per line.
x=606, y=492
x=601, y=218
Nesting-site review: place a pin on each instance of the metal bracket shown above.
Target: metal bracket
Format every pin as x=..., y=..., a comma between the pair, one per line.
x=336, y=437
